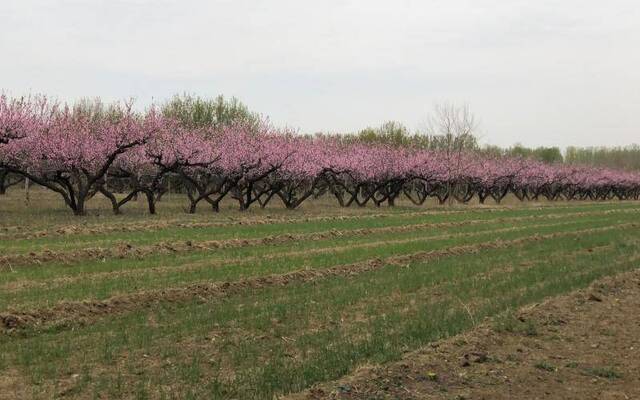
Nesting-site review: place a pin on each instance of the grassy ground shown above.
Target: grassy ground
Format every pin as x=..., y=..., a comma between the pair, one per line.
x=264, y=303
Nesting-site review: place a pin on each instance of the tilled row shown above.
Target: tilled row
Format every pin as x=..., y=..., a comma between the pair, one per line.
x=19, y=285
x=435, y=292
x=219, y=340
x=127, y=250
x=14, y=232
x=17, y=232
x=67, y=314
x=465, y=360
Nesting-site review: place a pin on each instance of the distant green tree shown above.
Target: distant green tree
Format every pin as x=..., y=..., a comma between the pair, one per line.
x=441, y=138
x=492, y=150
x=391, y=132
x=195, y=111
x=549, y=155
x=627, y=157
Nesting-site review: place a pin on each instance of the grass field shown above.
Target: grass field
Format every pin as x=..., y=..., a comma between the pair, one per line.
x=260, y=304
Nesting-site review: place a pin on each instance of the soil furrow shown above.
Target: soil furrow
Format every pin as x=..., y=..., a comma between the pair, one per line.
x=73, y=313
x=14, y=232
x=127, y=250
x=18, y=285
x=436, y=291
x=17, y=232
x=565, y=357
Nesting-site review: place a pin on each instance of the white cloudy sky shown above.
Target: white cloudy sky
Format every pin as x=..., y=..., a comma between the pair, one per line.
x=537, y=72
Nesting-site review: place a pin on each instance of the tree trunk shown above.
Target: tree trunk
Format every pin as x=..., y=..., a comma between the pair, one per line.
x=79, y=209
x=151, y=201
x=193, y=202
x=114, y=202
x=4, y=175
x=391, y=202
x=26, y=191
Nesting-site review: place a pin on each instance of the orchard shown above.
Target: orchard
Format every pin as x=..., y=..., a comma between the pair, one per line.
x=121, y=153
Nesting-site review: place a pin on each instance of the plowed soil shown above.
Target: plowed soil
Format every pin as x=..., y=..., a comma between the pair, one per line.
x=127, y=250
x=585, y=345
x=79, y=313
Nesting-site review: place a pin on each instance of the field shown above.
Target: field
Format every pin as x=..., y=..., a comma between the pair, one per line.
x=267, y=303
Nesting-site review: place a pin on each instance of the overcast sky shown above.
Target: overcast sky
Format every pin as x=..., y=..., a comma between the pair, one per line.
x=535, y=72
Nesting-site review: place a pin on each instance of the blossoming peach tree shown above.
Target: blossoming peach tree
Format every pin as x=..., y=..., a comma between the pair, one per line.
x=121, y=153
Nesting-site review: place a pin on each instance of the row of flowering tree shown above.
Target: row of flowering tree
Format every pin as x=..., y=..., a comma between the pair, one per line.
x=120, y=153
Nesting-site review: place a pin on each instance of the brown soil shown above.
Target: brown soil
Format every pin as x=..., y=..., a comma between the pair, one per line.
x=584, y=345
x=13, y=386
x=18, y=232
x=127, y=250
x=22, y=232
x=159, y=270
x=81, y=312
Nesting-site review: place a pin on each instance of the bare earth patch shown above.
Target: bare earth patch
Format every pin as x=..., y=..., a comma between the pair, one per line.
x=585, y=345
x=12, y=386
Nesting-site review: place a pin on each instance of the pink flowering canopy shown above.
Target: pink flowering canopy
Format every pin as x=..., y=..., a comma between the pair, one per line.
x=122, y=152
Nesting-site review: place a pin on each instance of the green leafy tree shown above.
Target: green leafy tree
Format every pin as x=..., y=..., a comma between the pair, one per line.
x=627, y=157
x=195, y=111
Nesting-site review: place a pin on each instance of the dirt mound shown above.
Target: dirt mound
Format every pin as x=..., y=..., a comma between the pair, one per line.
x=580, y=346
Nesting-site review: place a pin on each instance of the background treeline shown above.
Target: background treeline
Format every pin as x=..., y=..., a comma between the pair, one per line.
x=396, y=134
x=627, y=157
x=196, y=111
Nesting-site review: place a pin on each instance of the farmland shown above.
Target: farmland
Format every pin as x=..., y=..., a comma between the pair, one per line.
x=268, y=302
x=245, y=200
